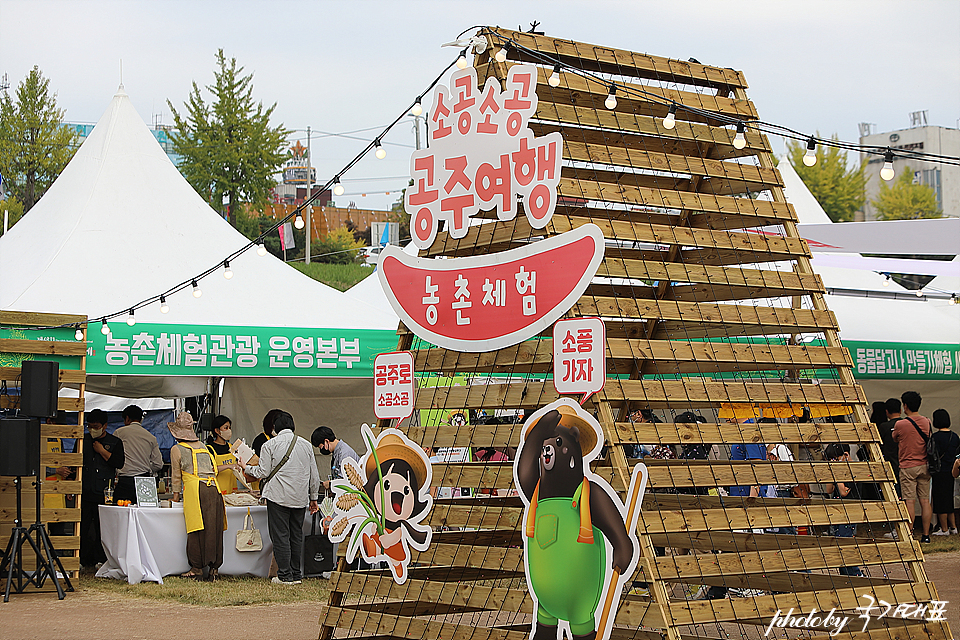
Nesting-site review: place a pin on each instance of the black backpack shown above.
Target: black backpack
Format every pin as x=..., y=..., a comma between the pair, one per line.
x=933, y=452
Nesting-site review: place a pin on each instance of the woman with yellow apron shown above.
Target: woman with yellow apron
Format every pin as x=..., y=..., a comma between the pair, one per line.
x=195, y=479
x=219, y=445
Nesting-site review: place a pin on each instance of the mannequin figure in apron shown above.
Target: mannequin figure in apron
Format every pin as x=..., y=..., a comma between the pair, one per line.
x=219, y=445
x=195, y=479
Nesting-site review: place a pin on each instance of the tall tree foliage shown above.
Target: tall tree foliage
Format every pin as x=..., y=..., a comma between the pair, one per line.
x=34, y=144
x=905, y=200
x=227, y=146
x=839, y=190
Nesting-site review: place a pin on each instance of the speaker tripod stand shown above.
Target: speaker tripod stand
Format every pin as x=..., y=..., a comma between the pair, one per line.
x=12, y=565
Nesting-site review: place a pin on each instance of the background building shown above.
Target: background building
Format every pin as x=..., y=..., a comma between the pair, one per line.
x=944, y=179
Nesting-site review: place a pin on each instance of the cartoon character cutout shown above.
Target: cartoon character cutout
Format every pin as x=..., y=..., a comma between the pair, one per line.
x=579, y=539
x=382, y=501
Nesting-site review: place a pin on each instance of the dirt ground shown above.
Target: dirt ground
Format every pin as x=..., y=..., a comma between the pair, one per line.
x=87, y=616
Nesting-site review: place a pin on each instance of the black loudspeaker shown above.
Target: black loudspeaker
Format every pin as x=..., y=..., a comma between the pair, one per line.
x=19, y=446
x=39, y=384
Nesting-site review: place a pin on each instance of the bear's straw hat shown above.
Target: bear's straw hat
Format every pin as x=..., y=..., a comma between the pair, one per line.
x=570, y=418
x=392, y=447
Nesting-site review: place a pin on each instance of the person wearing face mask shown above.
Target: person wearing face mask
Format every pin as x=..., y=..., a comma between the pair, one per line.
x=219, y=445
x=102, y=457
x=324, y=439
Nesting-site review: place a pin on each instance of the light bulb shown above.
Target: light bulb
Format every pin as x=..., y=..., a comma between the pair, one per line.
x=79, y=334
x=130, y=319
x=953, y=299
x=887, y=171
x=417, y=108
x=337, y=187
x=381, y=152
x=164, y=307
x=671, y=120
x=227, y=271
x=298, y=221
x=196, y=290
x=919, y=293
x=611, y=101
x=554, y=79
x=740, y=141
x=462, y=60
x=810, y=157
x=261, y=249
x=886, y=281
x=501, y=54
x=105, y=328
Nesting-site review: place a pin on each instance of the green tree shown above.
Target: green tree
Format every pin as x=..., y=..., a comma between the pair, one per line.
x=839, y=190
x=34, y=144
x=227, y=146
x=905, y=200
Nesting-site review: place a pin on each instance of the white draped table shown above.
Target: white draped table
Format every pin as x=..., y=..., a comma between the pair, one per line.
x=149, y=543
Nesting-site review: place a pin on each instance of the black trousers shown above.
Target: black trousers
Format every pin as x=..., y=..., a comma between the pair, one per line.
x=286, y=531
x=126, y=488
x=91, y=549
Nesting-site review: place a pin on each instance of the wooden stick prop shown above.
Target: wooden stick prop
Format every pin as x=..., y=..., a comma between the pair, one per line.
x=638, y=485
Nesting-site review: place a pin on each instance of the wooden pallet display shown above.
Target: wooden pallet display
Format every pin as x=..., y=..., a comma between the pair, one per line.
x=695, y=320
x=26, y=346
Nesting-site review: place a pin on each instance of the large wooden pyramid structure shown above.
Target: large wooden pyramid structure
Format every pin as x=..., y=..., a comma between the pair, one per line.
x=711, y=306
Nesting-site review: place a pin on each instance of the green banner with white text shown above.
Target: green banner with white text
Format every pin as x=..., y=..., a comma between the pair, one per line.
x=192, y=350
x=904, y=360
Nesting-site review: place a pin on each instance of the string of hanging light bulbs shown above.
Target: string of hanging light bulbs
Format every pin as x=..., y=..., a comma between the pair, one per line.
x=739, y=141
x=334, y=183
x=554, y=80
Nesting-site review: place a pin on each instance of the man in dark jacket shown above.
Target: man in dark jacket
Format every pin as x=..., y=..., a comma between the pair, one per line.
x=102, y=456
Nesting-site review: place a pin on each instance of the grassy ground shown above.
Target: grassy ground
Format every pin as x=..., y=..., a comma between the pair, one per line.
x=229, y=591
x=338, y=276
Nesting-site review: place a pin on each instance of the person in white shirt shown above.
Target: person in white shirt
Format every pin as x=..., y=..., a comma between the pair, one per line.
x=141, y=454
x=287, y=461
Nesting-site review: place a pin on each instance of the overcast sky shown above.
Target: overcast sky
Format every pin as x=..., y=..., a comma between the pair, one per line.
x=347, y=66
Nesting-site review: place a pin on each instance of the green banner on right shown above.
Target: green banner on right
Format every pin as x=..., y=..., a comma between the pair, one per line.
x=904, y=360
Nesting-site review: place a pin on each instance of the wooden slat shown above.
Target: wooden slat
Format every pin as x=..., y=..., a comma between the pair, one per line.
x=681, y=393
x=44, y=347
x=709, y=564
x=707, y=433
x=768, y=283
x=66, y=487
x=633, y=97
x=635, y=131
x=63, y=404
x=503, y=558
x=477, y=514
x=61, y=459
x=670, y=357
x=449, y=593
x=724, y=187
x=713, y=474
x=748, y=248
x=768, y=517
x=31, y=319
x=894, y=629
x=61, y=431
x=406, y=627
x=623, y=62
x=729, y=212
x=8, y=514
x=12, y=374
x=738, y=542
x=777, y=319
x=755, y=178
x=764, y=607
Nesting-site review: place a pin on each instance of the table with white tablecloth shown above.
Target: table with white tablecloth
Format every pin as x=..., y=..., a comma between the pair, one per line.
x=147, y=543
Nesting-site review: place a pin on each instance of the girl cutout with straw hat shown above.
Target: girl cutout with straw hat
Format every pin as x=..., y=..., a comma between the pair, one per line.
x=383, y=500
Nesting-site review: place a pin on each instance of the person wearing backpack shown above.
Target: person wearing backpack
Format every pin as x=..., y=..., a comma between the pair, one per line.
x=941, y=495
x=911, y=433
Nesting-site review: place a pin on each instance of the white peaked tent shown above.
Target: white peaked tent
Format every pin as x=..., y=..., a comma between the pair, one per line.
x=121, y=225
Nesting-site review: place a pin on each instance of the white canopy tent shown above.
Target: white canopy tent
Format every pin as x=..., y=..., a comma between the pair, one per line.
x=121, y=225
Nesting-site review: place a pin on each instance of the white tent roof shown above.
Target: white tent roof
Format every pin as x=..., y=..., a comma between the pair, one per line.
x=121, y=225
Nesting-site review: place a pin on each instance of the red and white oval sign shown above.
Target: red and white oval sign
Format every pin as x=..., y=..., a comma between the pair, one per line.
x=483, y=303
